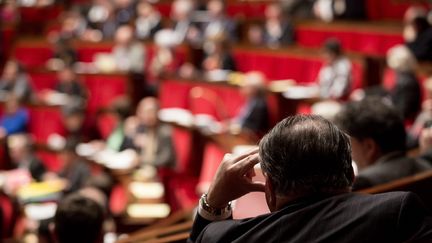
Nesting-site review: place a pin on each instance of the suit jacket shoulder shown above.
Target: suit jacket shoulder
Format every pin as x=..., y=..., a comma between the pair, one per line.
x=389, y=170
x=389, y=217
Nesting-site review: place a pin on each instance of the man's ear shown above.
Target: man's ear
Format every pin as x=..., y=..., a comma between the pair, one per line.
x=270, y=194
x=371, y=149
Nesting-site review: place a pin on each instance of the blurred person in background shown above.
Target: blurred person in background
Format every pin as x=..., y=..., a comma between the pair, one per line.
x=73, y=25
x=74, y=170
x=181, y=15
x=14, y=81
x=101, y=19
x=329, y=10
x=124, y=11
x=424, y=118
x=253, y=118
x=378, y=142
x=418, y=33
x=218, y=55
x=64, y=55
x=334, y=77
x=129, y=54
x=406, y=94
x=149, y=137
x=164, y=62
x=278, y=31
x=218, y=23
x=69, y=85
x=22, y=155
x=148, y=21
x=15, y=118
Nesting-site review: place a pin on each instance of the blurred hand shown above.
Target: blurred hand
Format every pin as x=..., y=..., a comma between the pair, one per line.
x=234, y=179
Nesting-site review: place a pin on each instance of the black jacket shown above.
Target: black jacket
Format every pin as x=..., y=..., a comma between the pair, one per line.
x=349, y=217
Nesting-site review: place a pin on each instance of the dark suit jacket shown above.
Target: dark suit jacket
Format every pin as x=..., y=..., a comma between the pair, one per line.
x=392, y=168
x=256, y=118
x=348, y=217
x=406, y=95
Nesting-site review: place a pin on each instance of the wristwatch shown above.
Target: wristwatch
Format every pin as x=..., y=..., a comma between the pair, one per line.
x=213, y=214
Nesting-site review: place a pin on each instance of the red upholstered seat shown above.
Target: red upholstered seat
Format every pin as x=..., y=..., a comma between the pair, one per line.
x=33, y=56
x=45, y=121
x=8, y=219
x=50, y=160
x=104, y=89
x=118, y=199
x=389, y=9
x=362, y=41
x=174, y=94
x=43, y=80
x=106, y=123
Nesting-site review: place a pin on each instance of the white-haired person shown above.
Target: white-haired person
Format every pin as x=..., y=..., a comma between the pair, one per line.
x=406, y=94
x=253, y=117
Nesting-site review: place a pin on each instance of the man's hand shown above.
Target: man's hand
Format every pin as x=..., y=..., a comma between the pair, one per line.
x=234, y=179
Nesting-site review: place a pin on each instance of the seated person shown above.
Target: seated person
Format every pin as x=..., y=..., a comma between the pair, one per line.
x=424, y=118
x=276, y=31
x=254, y=115
x=78, y=219
x=329, y=10
x=149, y=137
x=15, y=118
x=218, y=56
x=334, y=77
x=74, y=171
x=406, y=94
x=218, y=23
x=148, y=21
x=129, y=54
x=64, y=55
x=306, y=163
x=14, y=81
x=68, y=86
x=378, y=139
x=421, y=43
x=164, y=62
x=22, y=155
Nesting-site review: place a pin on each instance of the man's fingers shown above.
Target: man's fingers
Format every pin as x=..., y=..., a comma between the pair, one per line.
x=245, y=155
x=248, y=163
x=257, y=186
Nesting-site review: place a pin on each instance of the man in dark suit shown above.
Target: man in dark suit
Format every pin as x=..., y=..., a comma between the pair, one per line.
x=254, y=115
x=378, y=140
x=306, y=162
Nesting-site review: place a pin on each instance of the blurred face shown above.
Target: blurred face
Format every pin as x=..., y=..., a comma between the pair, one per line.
x=329, y=57
x=66, y=75
x=17, y=153
x=10, y=71
x=12, y=105
x=272, y=12
x=124, y=35
x=144, y=9
x=74, y=122
x=147, y=113
x=215, y=7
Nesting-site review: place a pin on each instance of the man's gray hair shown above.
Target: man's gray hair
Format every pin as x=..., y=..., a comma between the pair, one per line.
x=307, y=154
